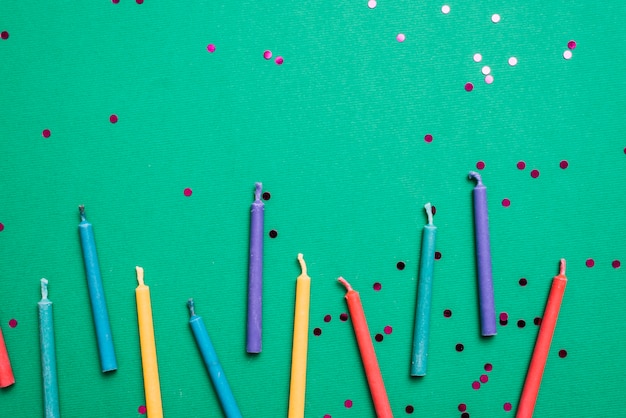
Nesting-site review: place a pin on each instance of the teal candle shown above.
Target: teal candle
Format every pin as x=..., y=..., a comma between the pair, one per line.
x=424, y=295
x=48, y=355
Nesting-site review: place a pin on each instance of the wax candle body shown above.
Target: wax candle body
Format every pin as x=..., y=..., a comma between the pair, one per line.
x=255, y=275
x=368, y=355
x=151, y=385
x=48, y=355
x=542, y=346
x=424, y=297
x=222, y=388
x=297, y=387
x=483, y=259
x=6, y=372
x=104, y=337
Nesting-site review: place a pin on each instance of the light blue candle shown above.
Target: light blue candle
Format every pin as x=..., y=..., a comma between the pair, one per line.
x=104, y=337
x=225, y=395
x=48, y=355
x=424, y=295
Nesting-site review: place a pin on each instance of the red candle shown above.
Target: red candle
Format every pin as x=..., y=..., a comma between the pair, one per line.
x=368, y=355
x=6, y=373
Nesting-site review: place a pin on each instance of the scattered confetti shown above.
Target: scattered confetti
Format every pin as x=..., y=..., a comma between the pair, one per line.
x=273, y=233
x=317, y=332
x=480, y=165
x=469, y=87
x=495, y=18
x=564, y=164
x=616, y=264
x=447, y=313
x=371, y=4
x=534, y=174
x=113, y=118
x=507, y=406
x=187, y=192
x=267, y=54
x=562, y=353
x=279, y=60
x=523, y=282
x=13, y=323
x=348, y=403
x=210, y=48
x=477, y=57
x=590, y=263
x=327, y=318
x=4, y=35
x=46, y=133
x=567, y=54
x=377, y=286
x=388, y=329
x=428, y=138
x=571, y=44
x=475, y=385
x=1, y=227
x=400, y=265
x=489, y=79
x=521, y=165
x=445, y=9
x=512, y=61
x=506, y=203
x=485, y=70
x=142, y=409
x=400, y=37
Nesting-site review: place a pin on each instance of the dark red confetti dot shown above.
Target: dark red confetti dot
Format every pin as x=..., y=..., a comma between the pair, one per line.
x=590, y=263
x=465, y=415
x=377, y=286
x=273, y=233
x=409, y=409
x=433, y=210
x=447, y=313
x=475, y=385
x=4, y=35
x=469, y=87
x=317, y=332
x=378, y=337
x=521, y=165
x=506, y=203
x=388, y=330
x=484, y=378
x=459, y=347
x=343, y=317
x=142, y=409
x=348, y=403
x=428, y=138
x=1, y=227
x=46, y=133
x=266, y=195
x=480, y=165
x=462, y=407
x=521, y=323
x=327, y=318
x=534, y=174
x=400, y=265
x=488, y=367
x=562, y=353
x=523, y=282
x=537, y=321
x=187, y=192
x=564, y=164
x=507, y=406
x=437, y=255
x=113, y=118
x=504, y=316
x=13, y=323
x=504, y=322
x=616, y=264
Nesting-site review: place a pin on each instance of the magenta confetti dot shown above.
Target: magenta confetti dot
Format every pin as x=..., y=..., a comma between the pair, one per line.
x=624, y=150
x=562, y=353
x=616, y=264
x=115, y=1
x=400, y=265
x=348, y=403
x=469, y=87
x=400, y=37
x=1, y=227
x=590, y=263
x=388, y=329
x=488, y=367
x=447, y=313
x=267, y=54
x=46, y=133
x=378, y=337
x=139, y=1
x=377, y=286
x=475, y=385
x=564, y=164
x=462, y=407
x=327, y=416
x=409, y=409
x=571, y=44
x=480, y=165
x=327, y=318
x=506, y=203
x=484, y=378
x=273, y=233
x=13, y=323
x=459, y=347
x=343, y=317
x=537, y=321
x=437, y=255
x=317, y=332
x=210, y=48
x=266, y=196
x=4, y=35
x=507, y=406
x=504, y=316
x=142, y=409
x=428, y=138
x=521, y=165
x=113, y=118
x=279, y=60
x=534, y=174
x=187, y=192
x=523, y=282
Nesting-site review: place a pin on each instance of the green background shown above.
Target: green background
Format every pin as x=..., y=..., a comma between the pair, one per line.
x=336, y=135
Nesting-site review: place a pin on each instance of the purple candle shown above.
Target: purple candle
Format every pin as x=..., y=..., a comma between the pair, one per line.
x=483, y=259
x=255, y=274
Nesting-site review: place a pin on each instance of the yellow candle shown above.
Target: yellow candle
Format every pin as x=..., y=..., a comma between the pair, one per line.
x=300, y=343
x=151, y=385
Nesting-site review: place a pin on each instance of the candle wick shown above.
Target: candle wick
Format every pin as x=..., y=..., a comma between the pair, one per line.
x=139, y=275
x=302, y=264
x=429, y=213
x=81, y=210
x=190, y=305
x=475, y=175
x=44, y=288
x=345, y=283
x=257, y=191
x=562, y=269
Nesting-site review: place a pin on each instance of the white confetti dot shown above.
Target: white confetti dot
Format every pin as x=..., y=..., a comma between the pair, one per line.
x=478, y=58
x=485, y=70
x=567, y=54
x=400, y=37
x=445, y=9
x=495, y=18
x=512, y=61
x=371, y=4
x=489, y=79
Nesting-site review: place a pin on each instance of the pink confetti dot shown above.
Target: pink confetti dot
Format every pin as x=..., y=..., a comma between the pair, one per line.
x=371, y=4
x=521, y=165
x=462, y=407
x=475, y=385
x=388, y=329
x=616, y=264
x=480, y=165
x=400, y=37
x=488, y=367
x=469, y=87
x=187, y=192
x=506, y=203
x=1, y=227
x=507, y=406
x=139, y=1
x=13, y=323
x=564, y=164
x=46, y=133
x=279, y=60
x=327, y=416
x=534, y=174
x=484, y=378
x=567, y=54
x=377, y=286
x=267, y=54
x=489, y=79
x=590, y=263
x=210, y=48
x=113, y=118
x=142, y=409
x=4, y=35
x=571, y=44
x=347, y=403
x=428, y=138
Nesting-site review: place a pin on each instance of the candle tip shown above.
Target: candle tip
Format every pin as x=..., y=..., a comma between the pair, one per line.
x=345, y=283
x=302, y=264
x=44, y=288
x=191, y=306
x=562, y=267
x=429, y=213
x=475, y=175
x=81, y=211
x=139, y=275
x=257, y=190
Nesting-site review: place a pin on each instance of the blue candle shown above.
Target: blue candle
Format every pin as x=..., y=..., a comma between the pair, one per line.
x=225, y=395
x=255, y=275
x=48, y=355
x=424, y=296
x=483, y=259
x=96, y=294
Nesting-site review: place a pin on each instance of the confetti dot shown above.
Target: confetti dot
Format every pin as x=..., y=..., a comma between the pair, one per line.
x=447, y=313
x=113, y=118
x=521, y=165
x=409, y=409
x=445, y=9
x=343, y=317
x=507, y=406
x=537, y=321
x=567, y=54
x=139, y=1
x=377, y=286
x=489, y=79
x=317, y=332
x=327, y=416
x=327, y=318
x=477, y=57
x=115, y=1
x=267, y=54
x=348, y=403
x=484, y=378
x=485, y=70
x=512, y=61
x=571, y=44
x=187, y=192
x=279, y=60
x=462, y=407
x=266, y=196
x=469, y=87
x=428, y=138
x=400, y=37
x=371, y=4
x=534, y=174
x=437, y=255
x=273, y=233
x=46, y=133
x=378, y=337
x=388, y=329
x=562, y=353
x=475, y=385
x=495, y=18
x=465, y=415
x=4, y=35
x=506, y=203
x=590, y=263
x=433, y=210
x=488, y=367
x=523, y=282
x=504, y=316
x=142, y=409
x=564, y=164
x=13, y=323
x=1, y=227
x=480, y=165
x=459, y=347
x=616, y=264
x=400, y=265
x=210, y=48
x=521, y=323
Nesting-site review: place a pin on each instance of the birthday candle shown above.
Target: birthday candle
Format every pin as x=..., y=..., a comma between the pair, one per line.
x=542, y=345
x=255, y=275
x=48, y=355
x=104, y=337
x=483, y=259
x=297, y=388
x=225, y=395
x=149, y=364
x=424, y=296
x=6, y=372
x=368, y=355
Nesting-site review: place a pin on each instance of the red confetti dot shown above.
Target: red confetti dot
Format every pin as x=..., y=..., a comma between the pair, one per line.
x=13, y=323
x=377, y=286
x=488, y=367
x=564, y=164
x=187, y=192
x=523, y=282
x=327, y=318
x=113, y=118
x=507, y=406
x=428, y=138
x=562, y=353
x=1, y=227
x=437, y=255
x=388, y=329
x=537, y=321
x=273, y=233
x=378, y=337
x=462, y=407
x=266, y=196
x=475, y=385
x=279, y=60
x=447, y=313
x=343, y=317
x=506, y=203
x=484, y=378
x=534, y=174
x=46, y=133
x=210, y=48
x=521, y=323
x=616, y=264
x=459, y=347
x=433, y=210
x=4, y=35
x=469, y=87
x=141, y=409
x=348, y=403
x=480, y=165
x=571, y=44
x=521, y=165
x=590, y=263
x=267, y=54
x=409, y=409
x=400, y=265
x=317, y=332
